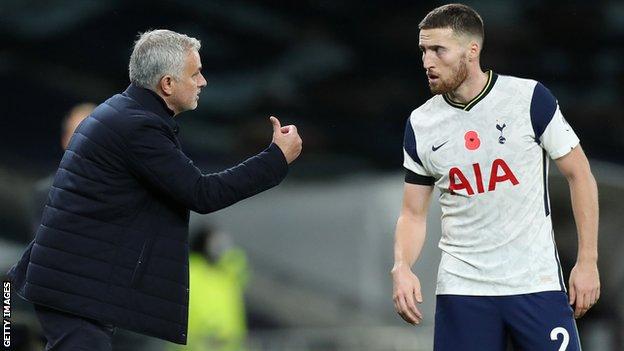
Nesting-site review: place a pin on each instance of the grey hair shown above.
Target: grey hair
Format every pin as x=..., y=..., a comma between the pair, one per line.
x=157, y=53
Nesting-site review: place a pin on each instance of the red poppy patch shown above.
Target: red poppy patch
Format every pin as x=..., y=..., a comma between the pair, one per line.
x=472, y=140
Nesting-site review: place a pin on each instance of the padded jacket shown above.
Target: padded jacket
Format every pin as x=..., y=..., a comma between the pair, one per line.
x=113, y=240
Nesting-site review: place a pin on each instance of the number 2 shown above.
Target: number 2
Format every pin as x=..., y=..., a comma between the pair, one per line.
x=566, y=337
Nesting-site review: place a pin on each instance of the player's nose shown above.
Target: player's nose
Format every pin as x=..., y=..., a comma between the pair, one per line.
x=427, y=61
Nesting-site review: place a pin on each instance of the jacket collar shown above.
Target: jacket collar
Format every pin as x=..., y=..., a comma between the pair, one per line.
x=153, y=103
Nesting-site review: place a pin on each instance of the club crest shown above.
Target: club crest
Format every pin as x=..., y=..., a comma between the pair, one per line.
x=501, y=138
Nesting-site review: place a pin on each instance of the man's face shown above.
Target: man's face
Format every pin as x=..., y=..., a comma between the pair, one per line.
x=444, y=58
x=188, y=86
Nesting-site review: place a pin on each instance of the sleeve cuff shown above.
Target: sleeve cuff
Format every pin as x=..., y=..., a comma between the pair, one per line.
x=415, y=178
x=275, y=157
x=564, y=150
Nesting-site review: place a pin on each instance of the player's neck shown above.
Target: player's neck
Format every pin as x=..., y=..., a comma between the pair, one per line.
x=470, y=88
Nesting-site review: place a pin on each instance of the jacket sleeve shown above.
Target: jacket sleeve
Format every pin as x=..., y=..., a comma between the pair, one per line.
x=155, y=158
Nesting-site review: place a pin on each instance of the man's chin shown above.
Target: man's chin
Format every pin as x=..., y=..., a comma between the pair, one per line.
x=439, y=89
x=436, y=90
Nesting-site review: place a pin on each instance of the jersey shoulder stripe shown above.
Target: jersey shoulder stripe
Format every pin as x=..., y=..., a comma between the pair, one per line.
x=543, y=107
x=409, y=142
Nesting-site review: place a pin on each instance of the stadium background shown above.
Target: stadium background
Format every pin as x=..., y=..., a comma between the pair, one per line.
x=347, y=73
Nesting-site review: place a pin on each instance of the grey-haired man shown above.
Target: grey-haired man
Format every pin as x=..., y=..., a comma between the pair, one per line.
x=112, y=247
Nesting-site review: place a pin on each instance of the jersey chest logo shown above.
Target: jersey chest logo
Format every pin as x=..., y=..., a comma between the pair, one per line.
x=499, y=173
x=501, y=138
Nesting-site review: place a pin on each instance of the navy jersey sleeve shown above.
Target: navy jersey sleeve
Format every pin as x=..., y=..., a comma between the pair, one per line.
x=551, y=129
x=416, y=172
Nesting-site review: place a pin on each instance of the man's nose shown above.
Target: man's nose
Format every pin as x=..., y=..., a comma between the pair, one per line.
x=427, y=61
x=202, y=82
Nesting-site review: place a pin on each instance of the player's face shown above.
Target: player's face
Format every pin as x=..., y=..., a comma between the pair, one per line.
x=444, y=57
x=188, y=85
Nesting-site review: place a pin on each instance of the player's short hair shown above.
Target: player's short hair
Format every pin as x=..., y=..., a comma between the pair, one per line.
x=462, y=19
x=157, y=53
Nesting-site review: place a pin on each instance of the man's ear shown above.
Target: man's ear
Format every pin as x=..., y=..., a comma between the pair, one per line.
x=474, y=50
x=166, y=84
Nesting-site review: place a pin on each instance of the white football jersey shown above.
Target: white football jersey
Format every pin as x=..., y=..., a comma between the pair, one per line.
x=489, y=158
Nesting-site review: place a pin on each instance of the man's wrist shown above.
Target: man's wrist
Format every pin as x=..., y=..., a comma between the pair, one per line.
x=587, y=259
x=400, y=265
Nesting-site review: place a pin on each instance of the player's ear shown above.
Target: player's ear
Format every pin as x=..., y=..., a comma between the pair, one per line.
x=474, y=49
x=166, y=84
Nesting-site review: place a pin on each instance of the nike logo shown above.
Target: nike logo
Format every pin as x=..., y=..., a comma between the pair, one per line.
x=435, y=148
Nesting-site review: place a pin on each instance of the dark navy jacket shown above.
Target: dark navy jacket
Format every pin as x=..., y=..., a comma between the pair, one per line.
x=112, y=244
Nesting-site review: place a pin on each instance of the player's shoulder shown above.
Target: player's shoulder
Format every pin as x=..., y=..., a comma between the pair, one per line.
x=539, y=100
x=428, y=112
x=531, y=88
x=517, y=83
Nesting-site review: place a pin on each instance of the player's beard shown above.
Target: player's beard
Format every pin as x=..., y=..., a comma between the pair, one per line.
x=457, y=77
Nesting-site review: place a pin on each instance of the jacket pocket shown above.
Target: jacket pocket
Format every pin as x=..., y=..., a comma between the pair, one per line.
x=141, y=263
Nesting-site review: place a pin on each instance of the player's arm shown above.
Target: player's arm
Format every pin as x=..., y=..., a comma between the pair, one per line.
x=584, y=279
x=409, y=240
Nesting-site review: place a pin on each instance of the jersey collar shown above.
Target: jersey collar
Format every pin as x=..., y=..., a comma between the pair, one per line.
x=467, y=106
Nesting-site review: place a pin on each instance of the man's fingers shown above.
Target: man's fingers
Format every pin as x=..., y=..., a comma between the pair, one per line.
x=418, y=296
x=572, y=295
x=397, y=308
x=588, y=300
x=405, y=311
x=593, y=299
x=582, y=304
x=289, y=129
x=577, y=309
x=276, y=123
x=409, y=299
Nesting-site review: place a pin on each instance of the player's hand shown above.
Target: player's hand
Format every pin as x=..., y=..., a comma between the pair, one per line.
x=287, y=139
x=406, y=293
x=584, y=287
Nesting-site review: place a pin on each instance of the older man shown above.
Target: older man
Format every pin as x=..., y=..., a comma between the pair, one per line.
x=112, y=248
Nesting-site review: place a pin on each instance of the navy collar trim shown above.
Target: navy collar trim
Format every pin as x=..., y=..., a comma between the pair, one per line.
x=152, y=102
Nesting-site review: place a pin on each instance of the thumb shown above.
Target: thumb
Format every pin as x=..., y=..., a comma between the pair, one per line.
x=418, y=295
x=276, y=124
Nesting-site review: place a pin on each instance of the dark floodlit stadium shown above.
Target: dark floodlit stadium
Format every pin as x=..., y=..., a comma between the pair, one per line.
x=412, y=162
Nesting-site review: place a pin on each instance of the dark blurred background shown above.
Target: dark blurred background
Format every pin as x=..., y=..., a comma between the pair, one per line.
x=348, y=74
